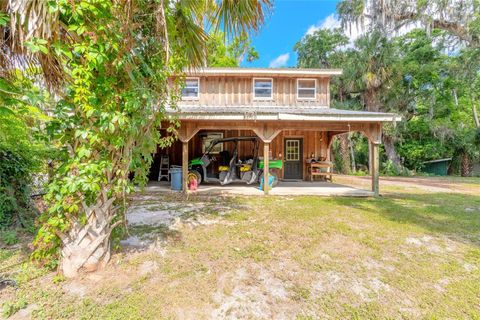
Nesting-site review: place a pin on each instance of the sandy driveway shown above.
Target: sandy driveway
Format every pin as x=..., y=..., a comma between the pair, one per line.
x=415, y=184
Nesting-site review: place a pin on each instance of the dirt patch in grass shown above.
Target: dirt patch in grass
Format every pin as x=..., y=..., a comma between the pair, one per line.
x=251, y=292
x=404, y=256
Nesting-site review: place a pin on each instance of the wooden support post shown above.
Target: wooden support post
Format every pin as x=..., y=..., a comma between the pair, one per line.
x=370, y=158
x=266, y=167
x=184, y=165
x=375, y=168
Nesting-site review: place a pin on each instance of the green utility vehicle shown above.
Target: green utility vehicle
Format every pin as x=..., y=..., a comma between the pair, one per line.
x=226, y=168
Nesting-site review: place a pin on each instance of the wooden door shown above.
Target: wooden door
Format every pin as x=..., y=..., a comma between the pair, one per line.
x=293, y=158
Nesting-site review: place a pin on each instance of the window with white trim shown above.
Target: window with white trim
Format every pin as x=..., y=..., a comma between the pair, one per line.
x=292, y=151
x=262, y=89
x=306, y=89
x=191, y=90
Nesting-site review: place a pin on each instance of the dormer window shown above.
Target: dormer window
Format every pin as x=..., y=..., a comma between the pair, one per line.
x=306, y=89
x=262, y=89
x=191, y=90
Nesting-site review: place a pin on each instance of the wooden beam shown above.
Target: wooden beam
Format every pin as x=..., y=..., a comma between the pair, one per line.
x=267, y=133
x=186, y=131
x=184, y=166
x=375, y=168
x=266, y=167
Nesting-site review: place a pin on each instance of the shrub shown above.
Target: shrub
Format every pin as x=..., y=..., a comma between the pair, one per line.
x=15, y=177
x=389, y=169
x=22, y=153
x=9, y=237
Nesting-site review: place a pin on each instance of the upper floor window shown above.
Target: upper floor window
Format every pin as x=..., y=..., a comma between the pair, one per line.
x=306, y=89
x=191, y=89
x=262, y=89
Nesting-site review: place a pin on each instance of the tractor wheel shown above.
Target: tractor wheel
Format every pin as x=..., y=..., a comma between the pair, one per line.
x=198, y=175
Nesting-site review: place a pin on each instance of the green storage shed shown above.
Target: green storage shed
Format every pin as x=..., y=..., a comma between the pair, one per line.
x=437, y=167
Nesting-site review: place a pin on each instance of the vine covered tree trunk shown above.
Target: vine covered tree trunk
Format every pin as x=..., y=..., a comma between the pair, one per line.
x=107, y=115
x=373, y=103
x=344, y=152
x=391, y=152
x=475, y=115
x=86, y=247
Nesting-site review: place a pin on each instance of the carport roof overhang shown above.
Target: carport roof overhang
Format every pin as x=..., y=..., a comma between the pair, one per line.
x=268, y=121
x=276, y=113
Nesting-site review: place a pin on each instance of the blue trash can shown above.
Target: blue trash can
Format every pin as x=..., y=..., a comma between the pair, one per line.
x=271, y=178
x=176, y=178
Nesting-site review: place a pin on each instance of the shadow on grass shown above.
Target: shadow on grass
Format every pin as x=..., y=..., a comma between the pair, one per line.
x=450, y=214
x=153, y=232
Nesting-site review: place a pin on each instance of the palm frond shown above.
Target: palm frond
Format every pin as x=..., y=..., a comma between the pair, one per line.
x=239, y=17
x=189, y=36
x=30, y=20
x=193, y=19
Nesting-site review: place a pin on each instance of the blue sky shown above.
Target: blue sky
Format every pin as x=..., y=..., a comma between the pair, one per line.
x=289, y=21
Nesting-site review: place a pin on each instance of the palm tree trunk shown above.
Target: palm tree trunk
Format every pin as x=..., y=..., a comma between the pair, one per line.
x=465, y=165
x=86, y=247
x=371, y=101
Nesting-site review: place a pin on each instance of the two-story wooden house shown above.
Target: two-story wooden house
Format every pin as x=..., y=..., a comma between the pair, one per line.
x=288, y=109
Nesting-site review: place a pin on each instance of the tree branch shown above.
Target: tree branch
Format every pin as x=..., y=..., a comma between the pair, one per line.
x=454, y=28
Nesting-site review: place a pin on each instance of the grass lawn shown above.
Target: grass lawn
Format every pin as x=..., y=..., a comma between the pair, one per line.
x=412, y=254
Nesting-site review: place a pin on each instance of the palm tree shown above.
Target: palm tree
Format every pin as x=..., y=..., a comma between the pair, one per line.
x=370, y=73
x=157, y=38
x=324, y=49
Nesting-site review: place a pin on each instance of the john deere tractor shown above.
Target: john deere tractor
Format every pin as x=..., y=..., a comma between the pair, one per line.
x=226, y=168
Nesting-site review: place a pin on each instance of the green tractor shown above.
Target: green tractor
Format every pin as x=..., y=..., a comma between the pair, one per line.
x=226, y=168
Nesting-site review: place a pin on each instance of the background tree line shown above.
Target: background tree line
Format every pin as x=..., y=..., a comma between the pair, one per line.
x=418, y=59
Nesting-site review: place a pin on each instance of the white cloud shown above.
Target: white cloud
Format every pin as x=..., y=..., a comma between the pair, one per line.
x=331, y=22
x=280, y=61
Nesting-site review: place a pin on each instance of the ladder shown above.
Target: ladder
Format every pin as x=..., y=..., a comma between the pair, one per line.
x=164, y=167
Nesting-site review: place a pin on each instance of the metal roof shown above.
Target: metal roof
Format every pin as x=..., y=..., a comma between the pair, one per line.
x=438, y=160
x=265, y=72
x=264, y=112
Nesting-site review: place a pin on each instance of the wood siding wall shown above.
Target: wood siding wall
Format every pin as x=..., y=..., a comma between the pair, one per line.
x=313, y=142
x=225, y=91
